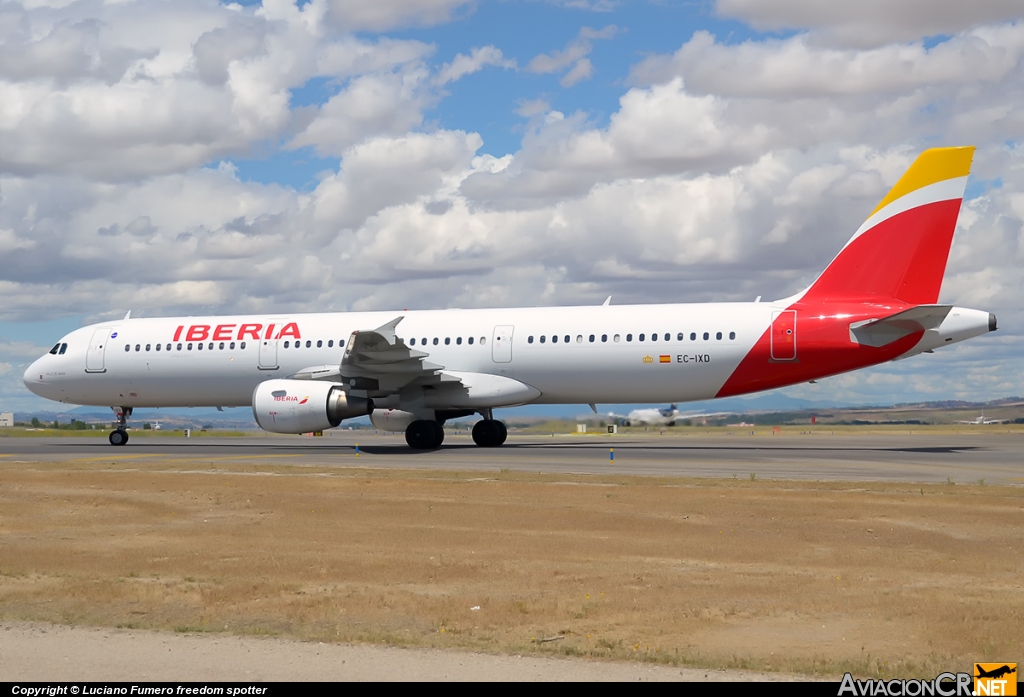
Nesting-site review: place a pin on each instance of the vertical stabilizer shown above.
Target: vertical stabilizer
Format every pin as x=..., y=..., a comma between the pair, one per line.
x=900, y=251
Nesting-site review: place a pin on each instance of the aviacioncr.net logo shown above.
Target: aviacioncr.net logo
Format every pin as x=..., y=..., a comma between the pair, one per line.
x=944, y=685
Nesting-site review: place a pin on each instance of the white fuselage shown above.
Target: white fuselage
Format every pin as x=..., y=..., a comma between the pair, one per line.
x=152, y=362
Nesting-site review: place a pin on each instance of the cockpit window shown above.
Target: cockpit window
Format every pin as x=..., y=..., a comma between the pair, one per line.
x=56, y=347
x=63, y=348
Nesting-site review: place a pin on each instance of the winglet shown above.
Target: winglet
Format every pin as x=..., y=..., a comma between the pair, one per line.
x=607, y=301
x=388, y=330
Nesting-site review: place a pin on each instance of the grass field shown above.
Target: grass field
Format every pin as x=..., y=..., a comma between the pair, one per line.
x=815, y=578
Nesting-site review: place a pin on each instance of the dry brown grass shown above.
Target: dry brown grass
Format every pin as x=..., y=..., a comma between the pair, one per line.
x=806, y=577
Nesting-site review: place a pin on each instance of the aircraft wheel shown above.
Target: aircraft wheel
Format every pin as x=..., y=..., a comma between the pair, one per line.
x=118, y=437
x=489, y=433
x=424, y=435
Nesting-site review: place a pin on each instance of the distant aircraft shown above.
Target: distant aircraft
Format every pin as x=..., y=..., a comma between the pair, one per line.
x=661, y=417
x=982, y=421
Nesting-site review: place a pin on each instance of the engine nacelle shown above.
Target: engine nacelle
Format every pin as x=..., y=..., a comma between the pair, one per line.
x=302, y=406
x=392, y=419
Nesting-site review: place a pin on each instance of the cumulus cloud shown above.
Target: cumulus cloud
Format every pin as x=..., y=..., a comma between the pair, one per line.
x=871, y=22
x=573, y=56
x=381, y=15
x=798, y=67
x=478, y=58
x=726, y=172
x=115, y=91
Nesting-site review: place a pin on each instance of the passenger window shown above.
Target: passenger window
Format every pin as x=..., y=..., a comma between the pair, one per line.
x=629, y=337
x=147, y=346
x=579, y=338
x=706, y=336
x=435, y=341
x=179, y=347
x=286, y=344
x=221, y=347
x=470, y=340
x=242, y=345
x=231, y=345
x=554, y=339
x=190, y=347
x=543, y=338
x=693, y=336
x=615, y=338
x=679, y=336
x=639, y=338
x=319, y=343
x=158, y=347
x=483, y=340
x=330, y=344
x=138, y=347
x=567, y=338
x=168, y=347
x=718, y=336
x=342, y=342
x=459, y=341
x=127, y=347
x=732, y=335
x=668, y=337
x=63, y=348
x=199, y=347
x=412, y=342
x=529, y=339
x=447, y=341
x=309, y=344
x=591, y=338
x=211, y=346
x=604, y=338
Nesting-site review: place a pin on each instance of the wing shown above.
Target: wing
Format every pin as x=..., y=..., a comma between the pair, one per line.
x=380, y=363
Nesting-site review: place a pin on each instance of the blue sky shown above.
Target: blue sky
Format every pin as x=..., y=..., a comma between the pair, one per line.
x=488, y=102
x=195, y=157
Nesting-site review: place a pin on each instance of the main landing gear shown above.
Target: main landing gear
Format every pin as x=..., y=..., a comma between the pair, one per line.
x=424, y=435
x=428, y=435
x=489, y=433
x=119, y=436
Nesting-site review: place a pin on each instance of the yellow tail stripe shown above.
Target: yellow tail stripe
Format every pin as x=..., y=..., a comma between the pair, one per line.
x=935, y=165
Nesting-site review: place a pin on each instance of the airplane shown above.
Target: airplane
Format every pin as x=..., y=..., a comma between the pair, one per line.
x=661, y=417
x=996, y=673
x=877, y=301
x=982, y=421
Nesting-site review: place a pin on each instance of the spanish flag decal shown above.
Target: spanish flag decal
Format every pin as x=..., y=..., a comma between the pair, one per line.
x=664, y=359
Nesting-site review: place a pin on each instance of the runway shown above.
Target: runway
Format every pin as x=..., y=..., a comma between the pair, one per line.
x=996, y=458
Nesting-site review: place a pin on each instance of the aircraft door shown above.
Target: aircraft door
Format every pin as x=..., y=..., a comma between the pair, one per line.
x=501, y=344
x=97, y=346
x=783, y=336
x=268, y=354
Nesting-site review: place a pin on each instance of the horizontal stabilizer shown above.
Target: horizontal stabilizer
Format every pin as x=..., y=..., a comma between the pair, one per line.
x=881, y=332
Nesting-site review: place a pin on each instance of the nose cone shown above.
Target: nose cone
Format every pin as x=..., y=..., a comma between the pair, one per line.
x=33, y=378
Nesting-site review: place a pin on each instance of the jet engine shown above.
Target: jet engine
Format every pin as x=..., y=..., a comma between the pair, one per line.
x=392, y=419
x=301, y=406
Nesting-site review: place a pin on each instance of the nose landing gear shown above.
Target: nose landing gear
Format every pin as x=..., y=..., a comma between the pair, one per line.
x=119, y=436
